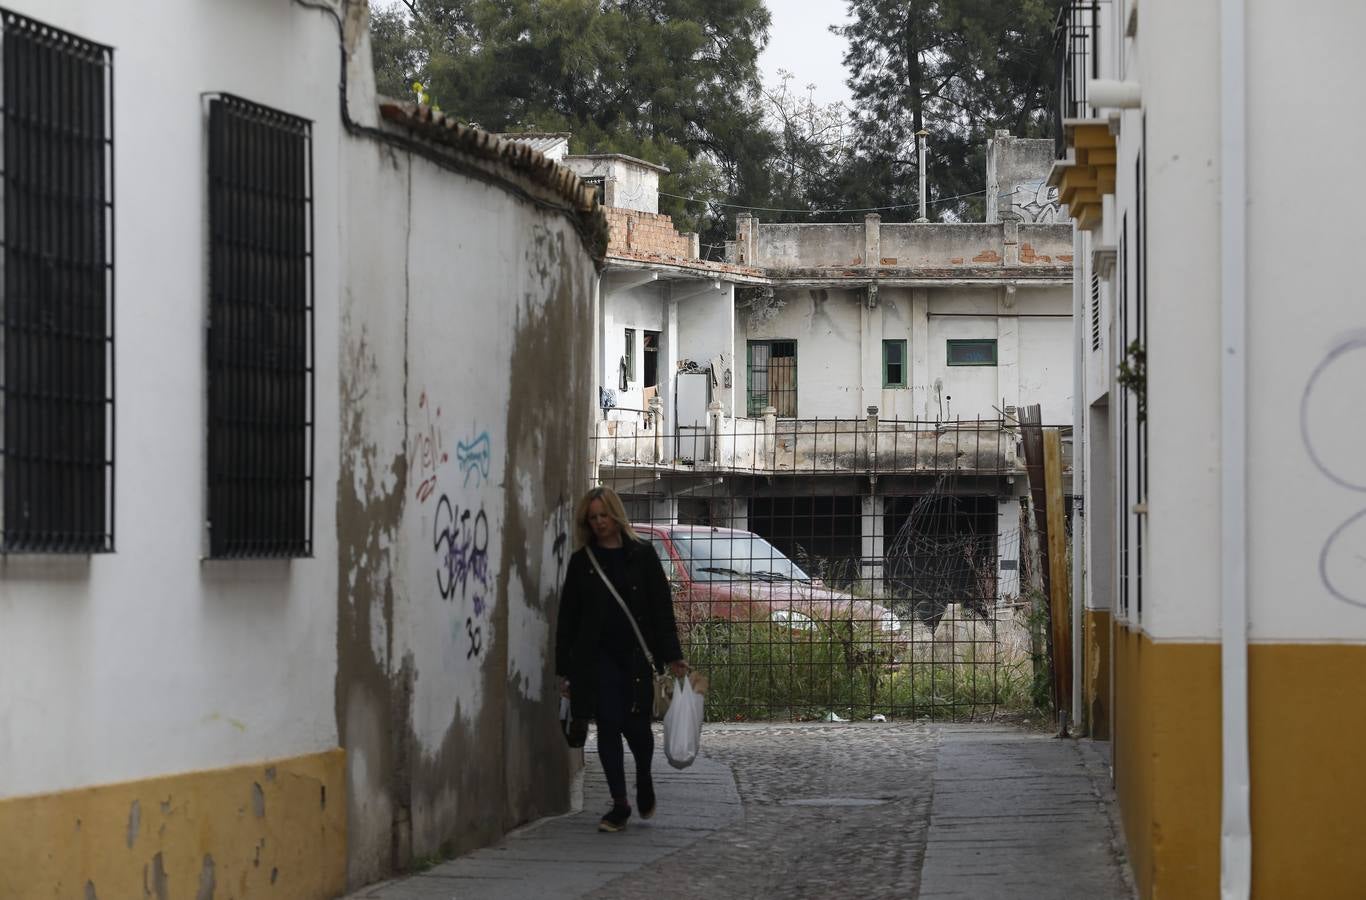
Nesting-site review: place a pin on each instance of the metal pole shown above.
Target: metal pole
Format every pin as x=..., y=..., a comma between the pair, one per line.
x=920, y=137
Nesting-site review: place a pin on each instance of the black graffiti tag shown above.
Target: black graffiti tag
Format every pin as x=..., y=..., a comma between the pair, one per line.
x=461, y=541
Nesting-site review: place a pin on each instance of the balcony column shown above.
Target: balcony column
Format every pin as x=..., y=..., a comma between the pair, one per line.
x=872, y=552
x=1007, y=559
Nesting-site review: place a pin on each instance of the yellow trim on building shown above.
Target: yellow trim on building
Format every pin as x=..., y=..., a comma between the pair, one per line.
x=1088, y=172
x=1307, y=729
x=270, y=829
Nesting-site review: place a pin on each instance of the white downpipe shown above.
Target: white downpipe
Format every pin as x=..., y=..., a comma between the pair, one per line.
x=1235, y=880
x=1078, y=471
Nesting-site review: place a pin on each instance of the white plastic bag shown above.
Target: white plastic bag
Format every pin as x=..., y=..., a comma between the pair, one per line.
x=683, y=725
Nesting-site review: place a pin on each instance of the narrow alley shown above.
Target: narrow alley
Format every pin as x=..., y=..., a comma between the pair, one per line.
x=824, y=810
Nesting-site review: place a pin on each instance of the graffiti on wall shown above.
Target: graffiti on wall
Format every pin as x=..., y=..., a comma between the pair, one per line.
x=1036, y=202
x=473, y=458
x=429, y=454
x=461, y=529
x=1326, y=434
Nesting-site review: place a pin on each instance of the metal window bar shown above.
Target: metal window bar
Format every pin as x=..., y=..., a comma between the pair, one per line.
x=57, y=300
x=842, y=567
x=260, y=337
x=1095, y=312
x=1075, y=60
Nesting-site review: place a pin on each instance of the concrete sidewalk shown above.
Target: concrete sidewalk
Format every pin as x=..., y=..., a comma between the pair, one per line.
x=565, y=857
x=858, y=810
x=1017, y=814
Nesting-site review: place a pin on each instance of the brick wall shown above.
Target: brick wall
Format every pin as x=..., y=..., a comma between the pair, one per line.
x=645, y=233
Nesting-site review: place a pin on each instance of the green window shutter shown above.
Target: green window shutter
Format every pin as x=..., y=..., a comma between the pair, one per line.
x=894, y=364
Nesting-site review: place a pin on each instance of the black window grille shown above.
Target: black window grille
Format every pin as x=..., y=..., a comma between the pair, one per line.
x=971, y=352
x=57, y=300
x=772, y=369
x=260, y=341
x=1095, y=311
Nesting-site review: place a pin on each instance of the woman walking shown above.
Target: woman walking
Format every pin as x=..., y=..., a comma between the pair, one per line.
x=602, y=667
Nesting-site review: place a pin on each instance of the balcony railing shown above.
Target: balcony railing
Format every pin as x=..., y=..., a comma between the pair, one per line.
x=1076, y=61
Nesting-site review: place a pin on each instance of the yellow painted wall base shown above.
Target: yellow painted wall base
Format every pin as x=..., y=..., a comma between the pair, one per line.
x=271, y=829
x=1307, y=725
x=1095, y=682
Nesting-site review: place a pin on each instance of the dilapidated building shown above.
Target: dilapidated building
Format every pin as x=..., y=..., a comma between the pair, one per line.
x=753, y=392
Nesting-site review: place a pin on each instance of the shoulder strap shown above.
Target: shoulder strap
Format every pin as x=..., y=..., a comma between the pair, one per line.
x=630, y=618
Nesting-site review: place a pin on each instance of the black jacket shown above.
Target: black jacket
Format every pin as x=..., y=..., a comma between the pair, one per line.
x=583, y=603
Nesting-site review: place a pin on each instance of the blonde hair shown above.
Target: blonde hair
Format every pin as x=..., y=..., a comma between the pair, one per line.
x=616, y=510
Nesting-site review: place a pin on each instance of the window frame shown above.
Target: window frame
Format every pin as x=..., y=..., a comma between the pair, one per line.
x=750, y=397
x=887, y=382
x=953, y=343
x=236, y=506
x=628, y=360
x=71, y=294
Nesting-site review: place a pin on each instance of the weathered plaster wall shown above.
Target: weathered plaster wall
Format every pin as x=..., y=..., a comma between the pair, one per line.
x=1017, y=180
x=631, y=185
x=640, y=308
x=468, y=340
x=825, y=324
x=705, y=332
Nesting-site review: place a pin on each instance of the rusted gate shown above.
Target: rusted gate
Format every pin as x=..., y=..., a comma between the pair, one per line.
x=838, y=568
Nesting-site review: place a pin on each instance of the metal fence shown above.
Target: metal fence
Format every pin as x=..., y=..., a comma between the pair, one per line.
x=842, y=569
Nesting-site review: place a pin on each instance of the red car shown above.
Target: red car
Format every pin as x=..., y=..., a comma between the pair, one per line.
x=737, y=576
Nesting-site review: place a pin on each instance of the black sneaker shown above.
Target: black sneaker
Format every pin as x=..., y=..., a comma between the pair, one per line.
x=616, y=817
x=645, y=797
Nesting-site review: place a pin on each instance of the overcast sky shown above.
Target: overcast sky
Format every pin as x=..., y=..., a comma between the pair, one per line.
x=800, y=42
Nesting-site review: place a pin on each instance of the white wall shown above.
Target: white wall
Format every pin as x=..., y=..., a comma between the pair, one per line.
x=640, y=309
x=706, y=330
x=636, y=187
x=826, y=326
x=1306, y=336
x=149, y=660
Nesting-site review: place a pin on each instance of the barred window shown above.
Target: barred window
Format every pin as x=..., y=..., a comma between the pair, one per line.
x=773, y=377
x=57, y=290
x=260, y=341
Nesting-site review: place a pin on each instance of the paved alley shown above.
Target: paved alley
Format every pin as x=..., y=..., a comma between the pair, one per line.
x=813, y=811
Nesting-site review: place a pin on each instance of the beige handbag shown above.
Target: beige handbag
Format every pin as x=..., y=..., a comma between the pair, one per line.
x=662, y=691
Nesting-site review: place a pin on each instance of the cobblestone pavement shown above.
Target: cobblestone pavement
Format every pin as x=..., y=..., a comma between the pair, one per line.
x=815, y=811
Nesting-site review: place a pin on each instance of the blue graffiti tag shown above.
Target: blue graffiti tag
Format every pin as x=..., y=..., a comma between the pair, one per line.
x=473, y=458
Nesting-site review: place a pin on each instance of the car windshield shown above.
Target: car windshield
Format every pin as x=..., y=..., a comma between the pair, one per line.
x=725, y=556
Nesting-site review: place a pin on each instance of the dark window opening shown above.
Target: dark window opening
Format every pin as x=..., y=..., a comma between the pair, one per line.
x=599, y=186
x=772, y=369
x=893, y=364
x=260, y=342
x=628, y=360
x=941, y=549
x=57, y=293
x=820, y=534
x=651, y=360
x=1095, y=312
x=972, y=352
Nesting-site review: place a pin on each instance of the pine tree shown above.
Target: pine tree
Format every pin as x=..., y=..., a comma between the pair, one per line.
x=955, y=68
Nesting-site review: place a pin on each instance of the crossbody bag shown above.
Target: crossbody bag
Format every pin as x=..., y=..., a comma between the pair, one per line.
x=662, y=690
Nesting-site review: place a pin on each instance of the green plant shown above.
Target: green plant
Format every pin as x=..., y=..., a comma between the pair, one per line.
x=1133, y=377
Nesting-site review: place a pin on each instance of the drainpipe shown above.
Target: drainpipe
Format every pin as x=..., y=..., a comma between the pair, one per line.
x=1078, y=473
x=1235, y=880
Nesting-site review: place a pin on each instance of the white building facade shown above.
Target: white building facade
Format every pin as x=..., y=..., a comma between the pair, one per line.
x=258, y=345
x=1222, y=352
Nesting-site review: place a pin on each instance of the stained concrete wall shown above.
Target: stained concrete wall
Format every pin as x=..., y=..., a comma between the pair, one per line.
x=1017, y=180
x=467, y=362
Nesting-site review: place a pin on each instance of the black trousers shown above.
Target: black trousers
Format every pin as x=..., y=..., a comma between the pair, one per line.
x=615, y=721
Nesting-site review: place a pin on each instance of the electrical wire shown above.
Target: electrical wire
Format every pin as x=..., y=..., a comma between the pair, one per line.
x=818, y=212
